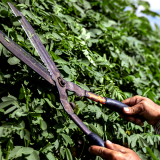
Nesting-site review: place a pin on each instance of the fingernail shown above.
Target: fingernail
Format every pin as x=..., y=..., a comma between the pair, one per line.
x=109, y=142
x=126, y=109
x=89, y=149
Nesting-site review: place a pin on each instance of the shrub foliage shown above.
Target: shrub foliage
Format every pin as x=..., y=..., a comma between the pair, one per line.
x=100, y=46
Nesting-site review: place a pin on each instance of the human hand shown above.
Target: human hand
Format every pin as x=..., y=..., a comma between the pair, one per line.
x=114, y=152
x=142, y=106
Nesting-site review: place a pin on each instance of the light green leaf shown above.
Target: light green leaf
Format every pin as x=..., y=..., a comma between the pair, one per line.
x=27, y=134
x=67, y=139
x=27, y=150
x=13, y=153
x=43, y=125
x=96, y=130
x=83, y=86
x=68, y=154
x=33, y=156
x=66, y=69
x=13, y=61
x=56, y=144
x=1, y=131
x=10, y=109
x=50, y=156
x=5, y=104
x=21, y=134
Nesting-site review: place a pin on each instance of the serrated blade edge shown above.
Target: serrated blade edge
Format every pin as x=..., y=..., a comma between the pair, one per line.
x=38, y=45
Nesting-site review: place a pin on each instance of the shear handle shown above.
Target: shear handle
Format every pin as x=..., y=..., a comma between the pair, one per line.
x=110, y=103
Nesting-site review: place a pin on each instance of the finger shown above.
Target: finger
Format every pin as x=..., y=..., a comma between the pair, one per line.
x=133, y=120
x=129, y=118
x=121, y=115
x=103, y=152
x=132, y=101
x=115, y=147
x=138, y=121
x=138, y=108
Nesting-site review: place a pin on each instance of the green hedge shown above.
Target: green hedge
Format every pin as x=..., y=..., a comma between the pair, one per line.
x=99, y=46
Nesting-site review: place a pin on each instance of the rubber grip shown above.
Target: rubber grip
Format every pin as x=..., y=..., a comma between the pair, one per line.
x=115, y=105
x=94, y=139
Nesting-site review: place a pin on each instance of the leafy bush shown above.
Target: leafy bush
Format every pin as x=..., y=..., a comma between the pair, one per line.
x=98, y=45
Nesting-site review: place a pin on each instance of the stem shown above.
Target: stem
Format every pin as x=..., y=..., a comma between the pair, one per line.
x=151, y=153
x=146, y=92
x=31, y=127
x=82, y=150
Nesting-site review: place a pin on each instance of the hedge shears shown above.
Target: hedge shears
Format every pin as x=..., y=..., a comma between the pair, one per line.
x=53, y=76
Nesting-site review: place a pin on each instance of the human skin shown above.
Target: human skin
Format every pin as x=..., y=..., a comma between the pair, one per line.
x=142, y=106
x=114, y=152
x=139, y=106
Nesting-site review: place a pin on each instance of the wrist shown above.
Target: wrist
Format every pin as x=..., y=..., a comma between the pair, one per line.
x=158, y=116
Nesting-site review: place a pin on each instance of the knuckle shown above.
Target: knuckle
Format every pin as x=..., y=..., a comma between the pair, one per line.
x=137, y=96
x=133, y=109
x=101, y=152
x=129, y=156
x=117, y=156
x=142, y=105
x=91, y=149
x=143, y=102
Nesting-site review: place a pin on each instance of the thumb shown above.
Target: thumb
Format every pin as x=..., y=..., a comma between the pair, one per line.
x=133, y=110
x=115, y=147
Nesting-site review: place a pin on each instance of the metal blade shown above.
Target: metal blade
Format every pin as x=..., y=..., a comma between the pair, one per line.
x=36, y=42
x=25, y=57
x=54, y=72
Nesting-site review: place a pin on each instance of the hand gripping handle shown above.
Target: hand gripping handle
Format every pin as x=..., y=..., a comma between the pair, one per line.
x=94, y=139
x=110, y=103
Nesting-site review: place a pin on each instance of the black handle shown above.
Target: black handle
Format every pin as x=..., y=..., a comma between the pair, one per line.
x=94, y=139
x=115, y=105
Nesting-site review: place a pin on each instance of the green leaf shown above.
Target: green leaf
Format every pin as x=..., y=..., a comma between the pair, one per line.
x=10, y=109
x=133, y=139
x=8, y=98
x=68, y=154
x=83, y=86
x=62, y=152
x=1, y=131
x=67, y=139
x=27, y=134
x=33, y=156
x=43, y=125
x=96, y=129
x=13, y=153
x=66, y=69
x=21, y=134
x=50, y=156
x=49, y=102
x=13, y=61
x=17, y=24
x=61, y=61
x=5, y=104
x=27, y=150
x=22, y=124
x=56, y=144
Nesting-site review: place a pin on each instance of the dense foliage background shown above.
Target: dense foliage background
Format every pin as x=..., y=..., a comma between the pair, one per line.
x=97, y=44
